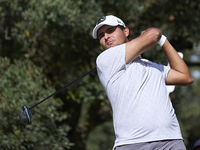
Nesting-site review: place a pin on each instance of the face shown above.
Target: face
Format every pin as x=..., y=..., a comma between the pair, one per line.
x=110, y=36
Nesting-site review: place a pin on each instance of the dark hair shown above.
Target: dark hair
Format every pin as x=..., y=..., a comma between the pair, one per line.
x=122, y=28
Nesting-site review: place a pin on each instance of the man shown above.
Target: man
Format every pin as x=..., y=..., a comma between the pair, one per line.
x=143, y=116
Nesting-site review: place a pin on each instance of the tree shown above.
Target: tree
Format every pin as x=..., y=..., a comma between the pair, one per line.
x=55, y=36
x=23, y=83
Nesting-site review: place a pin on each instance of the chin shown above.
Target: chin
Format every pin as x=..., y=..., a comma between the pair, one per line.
x=112, y=45
x=109, y=46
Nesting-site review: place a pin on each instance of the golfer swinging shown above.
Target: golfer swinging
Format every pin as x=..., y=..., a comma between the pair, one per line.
x=143, y=116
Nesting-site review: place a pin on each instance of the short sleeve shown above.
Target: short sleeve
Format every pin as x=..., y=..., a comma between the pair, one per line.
x=111, y=64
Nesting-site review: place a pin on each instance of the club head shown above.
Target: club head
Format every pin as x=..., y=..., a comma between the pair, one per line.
x=26, y=115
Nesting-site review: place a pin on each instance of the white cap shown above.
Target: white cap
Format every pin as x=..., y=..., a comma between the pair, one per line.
x=107, y=20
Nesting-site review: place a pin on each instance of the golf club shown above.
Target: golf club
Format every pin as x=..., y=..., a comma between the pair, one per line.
x=26, y=115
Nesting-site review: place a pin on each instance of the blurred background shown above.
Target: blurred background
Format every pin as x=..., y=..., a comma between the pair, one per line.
x=46, y=44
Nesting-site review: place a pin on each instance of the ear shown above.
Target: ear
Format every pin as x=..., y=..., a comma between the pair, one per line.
x=126, y=31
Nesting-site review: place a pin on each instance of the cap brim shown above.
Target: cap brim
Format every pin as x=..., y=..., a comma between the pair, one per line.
x=99, y=26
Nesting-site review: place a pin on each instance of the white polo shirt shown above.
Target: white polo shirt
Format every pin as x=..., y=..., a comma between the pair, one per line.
x=137, y=92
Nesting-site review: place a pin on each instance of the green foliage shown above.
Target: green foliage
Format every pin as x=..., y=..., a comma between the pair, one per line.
x=102, y=137
x=23, y=83
x=56, y=35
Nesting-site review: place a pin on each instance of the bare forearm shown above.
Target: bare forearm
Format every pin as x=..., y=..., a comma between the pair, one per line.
x=179, y=73
x=175, y=61
x=140, y=44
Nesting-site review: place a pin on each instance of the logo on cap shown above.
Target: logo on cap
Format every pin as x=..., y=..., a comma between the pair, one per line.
x=119, y=22
x=101, y=20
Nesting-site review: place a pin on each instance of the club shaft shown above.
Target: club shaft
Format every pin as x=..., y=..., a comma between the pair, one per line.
x=65, y=87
